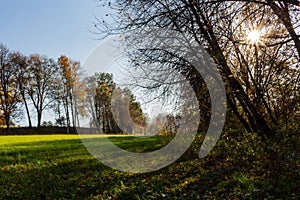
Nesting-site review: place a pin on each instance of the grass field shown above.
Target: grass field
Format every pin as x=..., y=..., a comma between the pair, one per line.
x=59, y=167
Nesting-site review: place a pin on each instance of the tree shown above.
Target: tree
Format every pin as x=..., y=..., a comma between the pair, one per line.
x=41, y=80
x=21, y=63
x=113, y=110
x=135, y=110
x=127, y=111
x=9, y=91
x=219, y=26
x=91, y=83
x=71, y=91
x=103, y=110
x=66, y=86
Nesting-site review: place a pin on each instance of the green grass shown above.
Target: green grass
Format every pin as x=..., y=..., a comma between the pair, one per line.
x=59, y=167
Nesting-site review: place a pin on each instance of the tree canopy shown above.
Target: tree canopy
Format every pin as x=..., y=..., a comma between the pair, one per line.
x=254, y=43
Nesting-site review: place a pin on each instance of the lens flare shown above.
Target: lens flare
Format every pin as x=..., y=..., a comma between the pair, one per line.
x=254, y=37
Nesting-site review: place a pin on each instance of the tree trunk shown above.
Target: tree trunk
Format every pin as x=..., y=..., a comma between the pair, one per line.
x=27, y=111
x=72, y=110
x=39, y=116
x=7, y=122
x=67, y=115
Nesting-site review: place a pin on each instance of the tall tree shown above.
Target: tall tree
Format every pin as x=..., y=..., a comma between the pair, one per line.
x=41, y=81
x=103, y=110
x=72, y=89
x=9, y=91
x=21, y=63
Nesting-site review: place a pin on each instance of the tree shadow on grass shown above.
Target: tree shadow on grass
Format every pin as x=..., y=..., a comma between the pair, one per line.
x=231, y=172
x=59, y=169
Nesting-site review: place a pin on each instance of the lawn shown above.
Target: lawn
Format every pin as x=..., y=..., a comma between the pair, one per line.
x=59, y=167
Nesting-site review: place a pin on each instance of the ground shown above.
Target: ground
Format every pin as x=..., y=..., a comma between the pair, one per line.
x=239, y=167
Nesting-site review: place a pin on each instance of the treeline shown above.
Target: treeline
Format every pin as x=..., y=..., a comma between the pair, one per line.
x=43, y=130
x=30, y=85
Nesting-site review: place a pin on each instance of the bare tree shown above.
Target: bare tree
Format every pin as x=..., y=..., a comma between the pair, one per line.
x=41, y=80
x=21, y=63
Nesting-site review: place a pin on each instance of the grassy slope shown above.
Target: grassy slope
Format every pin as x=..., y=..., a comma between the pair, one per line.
x=59, y=167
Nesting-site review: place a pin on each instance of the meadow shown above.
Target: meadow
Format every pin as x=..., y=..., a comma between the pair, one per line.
x=59, y=167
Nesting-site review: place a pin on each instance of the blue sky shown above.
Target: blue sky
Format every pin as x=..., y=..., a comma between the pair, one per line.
x=50, y=27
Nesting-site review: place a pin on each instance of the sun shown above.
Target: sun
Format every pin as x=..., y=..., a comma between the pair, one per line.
x=254, y=36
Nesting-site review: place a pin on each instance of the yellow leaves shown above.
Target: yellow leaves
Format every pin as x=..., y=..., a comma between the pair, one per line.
x=63, y=60
x=69, y=70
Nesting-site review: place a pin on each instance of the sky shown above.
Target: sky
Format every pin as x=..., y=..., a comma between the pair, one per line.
x=54, y=28
x=50, y=27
